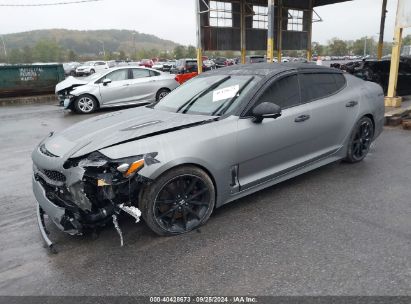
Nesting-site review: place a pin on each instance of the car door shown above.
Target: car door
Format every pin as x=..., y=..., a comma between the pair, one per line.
x=333, y=109
x=115, y=92
x=143, y=85
x=274, y=147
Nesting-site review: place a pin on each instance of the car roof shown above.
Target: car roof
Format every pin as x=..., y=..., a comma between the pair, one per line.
x=265, y=69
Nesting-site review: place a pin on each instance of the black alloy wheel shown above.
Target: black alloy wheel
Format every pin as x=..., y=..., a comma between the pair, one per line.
x=179, y=202
x=360, y=140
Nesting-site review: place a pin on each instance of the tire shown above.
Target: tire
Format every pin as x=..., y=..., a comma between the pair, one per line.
x=162, y=93
x=92, y=72
x=85, y=104
x=360, y=140
x=179, y=201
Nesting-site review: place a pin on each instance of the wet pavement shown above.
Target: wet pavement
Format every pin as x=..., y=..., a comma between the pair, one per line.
x=339, y=230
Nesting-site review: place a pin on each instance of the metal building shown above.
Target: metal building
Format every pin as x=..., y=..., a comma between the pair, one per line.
x=255, y=25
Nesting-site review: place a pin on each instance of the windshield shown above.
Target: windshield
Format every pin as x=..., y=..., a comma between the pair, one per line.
x=212, y=95
x=93, y=77
x=88, y=63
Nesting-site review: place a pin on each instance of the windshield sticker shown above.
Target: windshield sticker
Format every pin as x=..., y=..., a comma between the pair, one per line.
x=225, y=93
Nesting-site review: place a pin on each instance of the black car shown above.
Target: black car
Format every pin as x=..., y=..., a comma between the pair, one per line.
x=379, y=72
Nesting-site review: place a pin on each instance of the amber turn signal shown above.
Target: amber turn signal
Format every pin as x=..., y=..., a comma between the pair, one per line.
x=134, y=167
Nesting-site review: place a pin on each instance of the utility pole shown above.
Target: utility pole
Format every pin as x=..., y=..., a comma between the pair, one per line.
x=134, y=46
x=382, y=27
x=198, y=34
x=365, y=46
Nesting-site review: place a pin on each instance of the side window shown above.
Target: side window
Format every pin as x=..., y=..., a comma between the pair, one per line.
x=140, y=73
x=339, y=80
x=153, y=73
x=118, y=75
x=284, y=92
x=317, y=85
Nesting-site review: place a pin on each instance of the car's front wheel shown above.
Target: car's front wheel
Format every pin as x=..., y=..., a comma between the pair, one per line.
x=85, y=104
x=179, y=201
x=360, y=140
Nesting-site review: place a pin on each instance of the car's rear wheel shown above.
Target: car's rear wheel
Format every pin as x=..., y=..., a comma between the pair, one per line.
x=179, y=201
x=92, y=71
x=85, y=104
x=360, y=140
x=162, y=93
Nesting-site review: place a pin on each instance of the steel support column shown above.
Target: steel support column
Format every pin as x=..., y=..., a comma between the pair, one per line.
x=382, y=27
x=392, y=100
x=242, y=30
x=280, y=29
x=270, y=31
x=198, y=34
x=310, y=32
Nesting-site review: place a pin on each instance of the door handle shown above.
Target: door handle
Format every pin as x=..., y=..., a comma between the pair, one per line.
x=351, y=104
x=302, y=118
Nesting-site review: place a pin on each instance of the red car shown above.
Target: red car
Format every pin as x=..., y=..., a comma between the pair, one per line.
x=148, y=63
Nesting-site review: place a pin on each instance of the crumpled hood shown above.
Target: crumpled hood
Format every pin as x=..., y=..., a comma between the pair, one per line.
x=116, y=127
x=68, y=82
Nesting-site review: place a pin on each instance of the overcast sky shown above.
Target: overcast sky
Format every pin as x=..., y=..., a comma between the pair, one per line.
x=174, y=19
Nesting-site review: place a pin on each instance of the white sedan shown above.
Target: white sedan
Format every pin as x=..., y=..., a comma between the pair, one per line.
x=91, y=67
x=115, y=87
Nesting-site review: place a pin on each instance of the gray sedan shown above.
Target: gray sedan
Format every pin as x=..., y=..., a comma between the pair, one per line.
x=115, y=87
x=221, y=136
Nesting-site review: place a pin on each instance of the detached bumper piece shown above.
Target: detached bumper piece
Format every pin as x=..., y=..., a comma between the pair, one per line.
x=44, y=232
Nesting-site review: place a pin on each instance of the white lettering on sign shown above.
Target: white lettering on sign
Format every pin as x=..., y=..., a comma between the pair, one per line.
x=225, y=93
x=30, y=74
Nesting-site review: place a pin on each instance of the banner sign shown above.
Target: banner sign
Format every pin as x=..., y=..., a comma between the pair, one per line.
x=404, y=13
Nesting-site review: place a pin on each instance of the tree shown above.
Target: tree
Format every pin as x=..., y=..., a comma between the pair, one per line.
x=317, y=48
x=72, y=56
x=406, y=40
x=338, y=47
x=360, y=45
x=179, y=52
x=15, y=56
x=27, y=54
x=122, y=55
x=191, y=52
x=47, y=50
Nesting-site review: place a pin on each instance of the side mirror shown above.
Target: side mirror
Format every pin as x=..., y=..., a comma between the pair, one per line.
x=106, y=81
x=266, y=110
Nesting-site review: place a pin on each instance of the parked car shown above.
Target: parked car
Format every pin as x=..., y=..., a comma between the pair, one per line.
x=167, y=66
x=116, y=87
x=379, y=72
x=209, y=65
x=221, y=62
x=148, y=63
x=186, y=65
x=159, y=66
x=70, y=68
x=91, y=67
x=213, y=140
x=255, y=59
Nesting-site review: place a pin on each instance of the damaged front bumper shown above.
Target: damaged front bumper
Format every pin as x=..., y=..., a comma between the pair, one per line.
x=84, y=194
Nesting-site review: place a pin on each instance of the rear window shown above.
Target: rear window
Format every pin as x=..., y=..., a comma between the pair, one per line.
x=318, y=85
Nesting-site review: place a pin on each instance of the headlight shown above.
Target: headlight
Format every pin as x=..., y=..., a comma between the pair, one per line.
x=128, y=169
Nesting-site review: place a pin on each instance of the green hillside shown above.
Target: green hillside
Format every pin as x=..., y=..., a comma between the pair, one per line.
x=63, y=44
